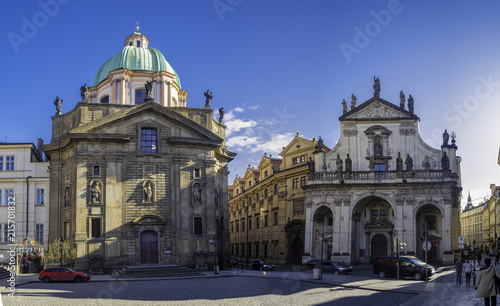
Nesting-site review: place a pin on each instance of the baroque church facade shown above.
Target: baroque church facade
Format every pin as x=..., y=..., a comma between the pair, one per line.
x=136, y=176
x=380, y=182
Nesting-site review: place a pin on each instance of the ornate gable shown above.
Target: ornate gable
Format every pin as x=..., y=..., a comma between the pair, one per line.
x=377, y=109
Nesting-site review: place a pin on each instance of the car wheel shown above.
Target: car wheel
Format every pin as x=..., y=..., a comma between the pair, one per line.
x=78, y=279
x=381, y=274
x=46, y=279
x=336, y=272
x=417, y=276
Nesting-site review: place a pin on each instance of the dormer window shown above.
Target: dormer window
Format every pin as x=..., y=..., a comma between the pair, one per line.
x=130, y=43
x=138, y=44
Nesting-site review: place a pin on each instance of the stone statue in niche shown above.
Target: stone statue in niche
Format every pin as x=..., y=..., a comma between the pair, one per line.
x=96, y=192
x=378, y=147
x=445, y=162
x=399, y=162
x=409, y=163
x=354, y=101
x=339, y=163
x=348, y=164
x=197, y=193
x=446, y=138
x=344, y=107
x=148, y=192
x=402, y=99
x=67, y=197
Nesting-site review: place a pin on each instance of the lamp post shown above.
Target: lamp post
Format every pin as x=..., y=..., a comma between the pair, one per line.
x=216, y=266
x=61, y=244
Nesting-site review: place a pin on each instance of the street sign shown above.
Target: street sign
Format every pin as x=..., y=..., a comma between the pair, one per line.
x=426, y=245
x=461, y=239
x=460, y=246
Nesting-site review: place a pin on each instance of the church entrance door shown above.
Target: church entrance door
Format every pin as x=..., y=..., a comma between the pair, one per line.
x=379, y=246
x=297, y=251
x=149, y=247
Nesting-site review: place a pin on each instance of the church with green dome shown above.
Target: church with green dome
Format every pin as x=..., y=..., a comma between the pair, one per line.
x=136, y=177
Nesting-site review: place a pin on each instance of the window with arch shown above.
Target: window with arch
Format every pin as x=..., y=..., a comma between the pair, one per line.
x=104, y=99
x=140, y=95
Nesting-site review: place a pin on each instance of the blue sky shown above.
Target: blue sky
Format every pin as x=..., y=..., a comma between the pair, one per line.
x=277, y=67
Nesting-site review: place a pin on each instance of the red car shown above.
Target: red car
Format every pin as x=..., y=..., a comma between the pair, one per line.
x=62, y=274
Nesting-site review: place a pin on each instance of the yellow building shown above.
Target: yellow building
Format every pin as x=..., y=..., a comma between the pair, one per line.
x=267, y=206
x=471, y=220
x=490, y=219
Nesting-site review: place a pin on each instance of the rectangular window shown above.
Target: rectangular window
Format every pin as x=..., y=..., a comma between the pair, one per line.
x=374, y=214
x=39, y=233
x=237, y=250
x=1, y=202
x=257, y=197
x=5, y=233
x=257, y=222
x=66, y=230
x=232, y=228
x=265, y=193
x=249, y=247
x=8, y=193
x=265, y=250
x=96, y=228
x=96, y=170
x=275, y=188
x=275, y=218
x=256, y=250
x=40, y=193
x=197, y=173
x=265, y=173
x=198, y=229
x=383, y=214
x=379, y=167
x=249, y=224
x=303, y=181
x=242, y=225
x=295, y=160
x=1, y=163
x=295, y=183
x=9, y=163
x=237, y=226
x=265, y=221
x=303, y=158
x=138, y=43
x=148, y=141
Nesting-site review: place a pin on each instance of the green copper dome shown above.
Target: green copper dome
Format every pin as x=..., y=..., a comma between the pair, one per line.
x=136, y=59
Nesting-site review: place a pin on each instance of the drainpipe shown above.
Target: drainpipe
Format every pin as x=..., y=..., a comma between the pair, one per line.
x=27, y=203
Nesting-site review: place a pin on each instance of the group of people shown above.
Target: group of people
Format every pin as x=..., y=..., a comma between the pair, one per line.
x=486, y=284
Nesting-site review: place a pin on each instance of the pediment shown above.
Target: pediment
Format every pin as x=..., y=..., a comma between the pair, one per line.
x=377, y=109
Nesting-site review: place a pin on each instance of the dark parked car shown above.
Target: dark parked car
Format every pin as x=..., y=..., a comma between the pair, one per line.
x=260, y=265
x=409, y=266
x=327, y=266
x=62, y=274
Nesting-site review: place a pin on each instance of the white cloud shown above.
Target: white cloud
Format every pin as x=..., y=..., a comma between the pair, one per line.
x=239, y=110
x=252, y=144
x=236, y=125
x=254, y=107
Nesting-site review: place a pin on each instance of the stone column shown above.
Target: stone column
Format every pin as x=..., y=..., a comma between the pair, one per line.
x=169, y=92
x=56, y=199
x=81, y=213
x=309, y=231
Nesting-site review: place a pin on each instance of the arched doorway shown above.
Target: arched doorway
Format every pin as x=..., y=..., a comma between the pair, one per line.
x=379, y=246
x=149, y=247
x=323, y=233
x=429, y=214
x=297, y=251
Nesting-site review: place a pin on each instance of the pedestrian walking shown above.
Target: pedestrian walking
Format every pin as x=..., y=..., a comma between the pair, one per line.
x=485, y=285
x=459, y=268
x=467, y=271
x=479, y=259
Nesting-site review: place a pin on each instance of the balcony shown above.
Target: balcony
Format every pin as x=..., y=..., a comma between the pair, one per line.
x=363, y=177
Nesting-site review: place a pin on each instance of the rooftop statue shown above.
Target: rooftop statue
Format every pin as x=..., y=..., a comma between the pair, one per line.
x=84, y=92
x=221, y=114
x=409, y=163
x=410, y=104
x=209, y=97
x=149, y=91
x=446, y=138
x=354, y=100
x=376, y=87
x=344, y=106
x=58, y=103
x=402, y=100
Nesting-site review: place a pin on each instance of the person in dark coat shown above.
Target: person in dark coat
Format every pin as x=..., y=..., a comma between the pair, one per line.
x=485, y=284
x=479, y=258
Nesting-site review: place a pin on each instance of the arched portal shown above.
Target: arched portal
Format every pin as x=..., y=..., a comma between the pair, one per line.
x=295, y=233
x=430, y=214
x=149, y=247
x=323, y=233
x=372, y=229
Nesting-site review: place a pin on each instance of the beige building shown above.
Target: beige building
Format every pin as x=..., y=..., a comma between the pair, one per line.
x=380, y=182
x=136, y=176
x=24, y=197
x=267, y=206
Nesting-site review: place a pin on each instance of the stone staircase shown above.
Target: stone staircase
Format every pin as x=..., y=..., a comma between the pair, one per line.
x=154, y=271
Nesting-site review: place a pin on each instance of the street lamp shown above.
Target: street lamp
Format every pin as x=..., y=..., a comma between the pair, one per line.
x=61, y=244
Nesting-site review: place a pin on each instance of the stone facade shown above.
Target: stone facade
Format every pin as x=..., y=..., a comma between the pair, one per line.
x=379, y=182
x=267, y=206
x=139, y=182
